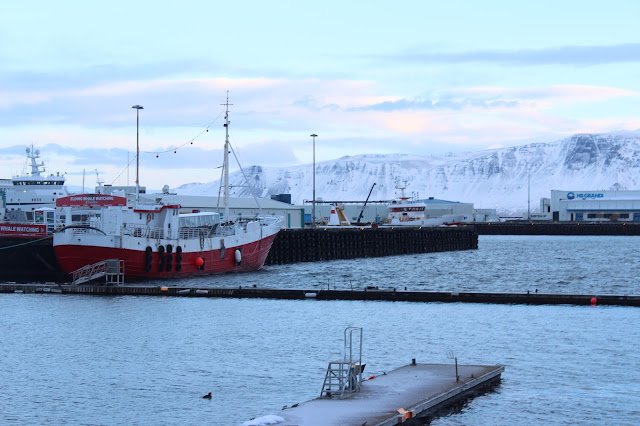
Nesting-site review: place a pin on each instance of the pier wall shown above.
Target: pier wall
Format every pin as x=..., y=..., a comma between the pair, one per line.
x=318, y=244
x=391, y=295
x=556, y=228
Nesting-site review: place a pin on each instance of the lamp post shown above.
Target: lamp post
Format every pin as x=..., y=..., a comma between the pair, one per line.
x=313, y=208
x=137, y=108
x=529, y=197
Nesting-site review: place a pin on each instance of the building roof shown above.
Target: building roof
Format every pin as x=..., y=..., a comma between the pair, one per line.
x=209, y=202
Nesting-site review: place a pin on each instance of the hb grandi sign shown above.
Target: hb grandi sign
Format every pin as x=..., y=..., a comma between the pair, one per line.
x=585, y=195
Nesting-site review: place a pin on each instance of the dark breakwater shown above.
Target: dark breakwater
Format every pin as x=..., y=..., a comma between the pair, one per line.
x=370, y=294
x=319, y=244
x=556, y=228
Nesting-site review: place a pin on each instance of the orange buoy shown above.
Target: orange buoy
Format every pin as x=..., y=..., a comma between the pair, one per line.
x=199, y=261
x=594, y=301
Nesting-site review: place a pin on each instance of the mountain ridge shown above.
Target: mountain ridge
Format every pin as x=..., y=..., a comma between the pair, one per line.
x=493, y=178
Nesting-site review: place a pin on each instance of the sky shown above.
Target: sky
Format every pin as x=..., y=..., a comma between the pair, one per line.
x=367, y=77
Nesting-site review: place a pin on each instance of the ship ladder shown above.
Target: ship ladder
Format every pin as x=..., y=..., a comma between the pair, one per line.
x=111, y=269
x=345, y=375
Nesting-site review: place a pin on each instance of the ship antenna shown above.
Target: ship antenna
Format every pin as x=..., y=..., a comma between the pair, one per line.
x=226, y=159
x=99, y=182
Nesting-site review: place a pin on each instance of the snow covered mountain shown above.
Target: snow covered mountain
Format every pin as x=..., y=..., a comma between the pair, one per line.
x=489, y=179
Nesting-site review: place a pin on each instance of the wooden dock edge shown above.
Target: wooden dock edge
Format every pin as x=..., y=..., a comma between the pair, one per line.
x=430, y=409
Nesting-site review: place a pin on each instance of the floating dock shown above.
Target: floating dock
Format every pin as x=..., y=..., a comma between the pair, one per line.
x=415, y=391
x=390, y=295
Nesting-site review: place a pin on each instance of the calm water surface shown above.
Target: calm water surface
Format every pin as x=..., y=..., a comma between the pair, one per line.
x=148, y=360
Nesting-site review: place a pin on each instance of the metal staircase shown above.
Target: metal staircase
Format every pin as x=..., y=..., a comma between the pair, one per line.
x=345, y=375
x=111, y=269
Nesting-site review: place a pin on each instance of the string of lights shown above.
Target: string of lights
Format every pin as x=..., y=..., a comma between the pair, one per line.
x=175, y=149
x=189, y=142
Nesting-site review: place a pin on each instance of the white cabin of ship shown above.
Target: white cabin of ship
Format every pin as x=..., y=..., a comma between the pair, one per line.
x=407, y=209
x=28, y=192
x=195, y=220
x=114, y=216
x=404, y=211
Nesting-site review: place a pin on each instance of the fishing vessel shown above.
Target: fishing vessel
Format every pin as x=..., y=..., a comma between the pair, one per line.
x=23, y=194
x=154, y=240
x=404, y=212
x=27, y=220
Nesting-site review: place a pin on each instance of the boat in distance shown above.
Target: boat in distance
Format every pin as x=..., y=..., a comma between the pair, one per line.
x=404, y=212
x=27, y=220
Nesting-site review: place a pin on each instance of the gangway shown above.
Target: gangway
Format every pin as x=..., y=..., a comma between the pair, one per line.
x=111, y=269
x=345, y=375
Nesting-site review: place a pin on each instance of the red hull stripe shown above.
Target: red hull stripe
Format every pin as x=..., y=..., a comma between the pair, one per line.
x=72, y=258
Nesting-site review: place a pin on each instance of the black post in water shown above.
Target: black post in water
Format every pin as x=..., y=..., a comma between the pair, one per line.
x=457, y=376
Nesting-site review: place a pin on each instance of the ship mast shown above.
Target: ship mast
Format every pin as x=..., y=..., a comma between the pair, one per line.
x=226, y=159
x=33, y=155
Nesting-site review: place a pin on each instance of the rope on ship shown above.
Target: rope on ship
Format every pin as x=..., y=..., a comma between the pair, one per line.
x=24, y=244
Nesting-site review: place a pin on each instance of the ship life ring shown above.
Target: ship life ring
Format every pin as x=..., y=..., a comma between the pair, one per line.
x=148, y=217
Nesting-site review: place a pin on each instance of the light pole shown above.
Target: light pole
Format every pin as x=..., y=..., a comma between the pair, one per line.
x=313, y=208
x=529, y=197
x=137, y=108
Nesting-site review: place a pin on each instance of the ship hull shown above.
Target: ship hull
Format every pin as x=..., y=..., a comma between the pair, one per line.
x=164, y=261
x=28, y=259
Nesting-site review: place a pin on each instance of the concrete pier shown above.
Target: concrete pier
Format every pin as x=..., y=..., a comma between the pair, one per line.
x=390, y=295
x=402, y=395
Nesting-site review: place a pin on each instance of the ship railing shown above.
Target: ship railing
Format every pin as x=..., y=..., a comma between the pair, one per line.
x=271, y=220
x=225, y=230
x=222, y=230
x=83, y=227
x=263, y=220
x=195, y=232
x=146, y=231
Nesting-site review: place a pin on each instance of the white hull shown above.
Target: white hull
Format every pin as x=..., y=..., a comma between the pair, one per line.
x=446, y=220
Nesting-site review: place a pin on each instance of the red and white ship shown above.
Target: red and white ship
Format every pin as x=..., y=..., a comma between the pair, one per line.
x=158, y=241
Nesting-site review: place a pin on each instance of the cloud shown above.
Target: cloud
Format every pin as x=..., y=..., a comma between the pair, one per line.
x=272, y=119
x=456, y=104
x=487, y=98
x=562, y=55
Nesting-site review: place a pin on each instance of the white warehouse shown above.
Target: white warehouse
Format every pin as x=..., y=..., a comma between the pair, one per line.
x=594, y=206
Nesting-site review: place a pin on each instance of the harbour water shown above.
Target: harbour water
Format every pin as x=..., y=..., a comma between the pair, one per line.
x=148, y=360
x=510, y=263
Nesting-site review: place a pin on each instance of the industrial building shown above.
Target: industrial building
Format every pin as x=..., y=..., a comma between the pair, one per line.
x=378, y=211
x=592, y=206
